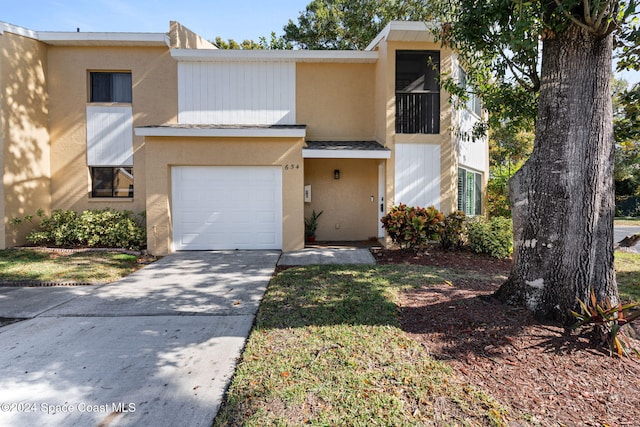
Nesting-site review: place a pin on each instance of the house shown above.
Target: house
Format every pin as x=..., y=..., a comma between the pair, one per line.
x=232, y=149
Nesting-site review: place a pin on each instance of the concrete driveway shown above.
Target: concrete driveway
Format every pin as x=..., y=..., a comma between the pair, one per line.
x=156, y=348
x=622, y=231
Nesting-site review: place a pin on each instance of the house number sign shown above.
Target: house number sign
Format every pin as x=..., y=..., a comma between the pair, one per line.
x=291, y=167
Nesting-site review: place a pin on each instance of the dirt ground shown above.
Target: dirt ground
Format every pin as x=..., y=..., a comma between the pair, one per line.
x=545, y=376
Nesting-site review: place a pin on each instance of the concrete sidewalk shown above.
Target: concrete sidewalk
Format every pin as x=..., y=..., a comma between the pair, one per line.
x=156, y=348
x=329, y=255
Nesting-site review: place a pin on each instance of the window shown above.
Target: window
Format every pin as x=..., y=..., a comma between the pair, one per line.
x=417, y=92
x=111, y=182
x=110, y=87
x=474, y=104
x=469, y=192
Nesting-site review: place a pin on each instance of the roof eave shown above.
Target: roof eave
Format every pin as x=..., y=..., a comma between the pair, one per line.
x=215, y=55
x=405, y=31
x=345, y=154
x=58, y=38
x=197, y=132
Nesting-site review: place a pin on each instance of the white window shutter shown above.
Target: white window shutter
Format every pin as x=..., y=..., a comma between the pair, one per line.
x=109, y=136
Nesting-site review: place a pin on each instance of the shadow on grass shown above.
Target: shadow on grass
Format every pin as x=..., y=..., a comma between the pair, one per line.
x=469, y=321
x=321, y=295
x=629, y=285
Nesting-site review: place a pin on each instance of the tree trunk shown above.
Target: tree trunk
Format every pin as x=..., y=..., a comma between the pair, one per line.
x=562, y=199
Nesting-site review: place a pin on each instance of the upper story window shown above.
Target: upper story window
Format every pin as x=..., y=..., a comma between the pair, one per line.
x=417, y=91
x=110, y=86
x=474, y=104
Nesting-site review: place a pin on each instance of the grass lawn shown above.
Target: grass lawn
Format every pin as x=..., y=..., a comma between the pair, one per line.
x=620, y=221
x=81, y=267
x=628, y=275
x=327, y=349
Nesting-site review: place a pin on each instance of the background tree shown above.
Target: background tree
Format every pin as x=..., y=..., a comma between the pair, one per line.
x=274, y=42
x=562, y=198
x=626, y=113
x=349, y=24
x=509, y=147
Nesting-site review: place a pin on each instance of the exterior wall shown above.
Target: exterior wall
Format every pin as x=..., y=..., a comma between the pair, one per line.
x=155, y=100
x=473, y=155
x=183, y=38
x=232, y=92
x=448, y=150
x=24, y=136
x=165, y=152
x=336, y=101
x=348, y=211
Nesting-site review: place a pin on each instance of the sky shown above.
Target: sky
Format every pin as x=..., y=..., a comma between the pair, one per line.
x=229, y=19
x=239, y=20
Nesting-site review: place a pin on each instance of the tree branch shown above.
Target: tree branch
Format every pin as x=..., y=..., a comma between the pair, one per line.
x=515, y=70
x=587, y=12
x=573, y=19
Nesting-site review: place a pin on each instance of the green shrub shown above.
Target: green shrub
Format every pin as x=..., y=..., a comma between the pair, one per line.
x=93, y=228
x=412, y=227
x=493, y=237
x=452, y=231
x=59, y=229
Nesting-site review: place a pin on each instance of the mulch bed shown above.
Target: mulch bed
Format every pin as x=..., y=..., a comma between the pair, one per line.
x=545, y=376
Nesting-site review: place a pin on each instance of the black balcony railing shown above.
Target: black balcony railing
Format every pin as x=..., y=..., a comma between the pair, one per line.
x=417, y=112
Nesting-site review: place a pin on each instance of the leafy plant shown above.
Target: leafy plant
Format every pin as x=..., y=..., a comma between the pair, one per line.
x=311, y=224
x=611, y=318
x=412, y=227
x=93, y=228
x=451, y=233
x=493, y=237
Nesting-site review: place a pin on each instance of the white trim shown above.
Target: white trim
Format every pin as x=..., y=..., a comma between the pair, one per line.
x=14, y=29
x=401, y=30
x=212, y=55
x=222, y=132
x=345, y=154
x=103, y=39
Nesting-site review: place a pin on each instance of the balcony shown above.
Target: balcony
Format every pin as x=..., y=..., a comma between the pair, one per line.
x=418, y=112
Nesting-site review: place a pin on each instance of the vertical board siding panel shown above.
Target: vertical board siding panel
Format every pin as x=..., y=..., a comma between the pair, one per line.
x=193, y=81
x=417, y=179
x=236, y=93
x=204, y=90
x=211, y=92
x=269, y=91
x=218, y=96
x=109, y=136
x=292, y=95
x=262, y=95
x=227, y=98
x=282, y=95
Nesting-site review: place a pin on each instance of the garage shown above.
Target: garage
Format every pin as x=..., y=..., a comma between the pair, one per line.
x=226, y=207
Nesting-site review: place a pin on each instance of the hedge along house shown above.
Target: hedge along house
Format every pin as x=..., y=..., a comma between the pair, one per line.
x=232, y=149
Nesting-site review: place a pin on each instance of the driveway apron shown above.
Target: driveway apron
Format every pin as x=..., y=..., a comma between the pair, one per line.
x=156, y=348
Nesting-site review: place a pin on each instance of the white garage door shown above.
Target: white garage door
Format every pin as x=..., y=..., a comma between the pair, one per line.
x=220, y=207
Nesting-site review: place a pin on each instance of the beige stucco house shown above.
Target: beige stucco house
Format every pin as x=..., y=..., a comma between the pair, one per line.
x=232, y=149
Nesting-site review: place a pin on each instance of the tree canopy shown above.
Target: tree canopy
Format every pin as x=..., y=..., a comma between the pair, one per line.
x=274, y=42
x=349, y=24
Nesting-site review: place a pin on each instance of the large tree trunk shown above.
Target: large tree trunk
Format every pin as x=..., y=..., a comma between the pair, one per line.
x=563, y=198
